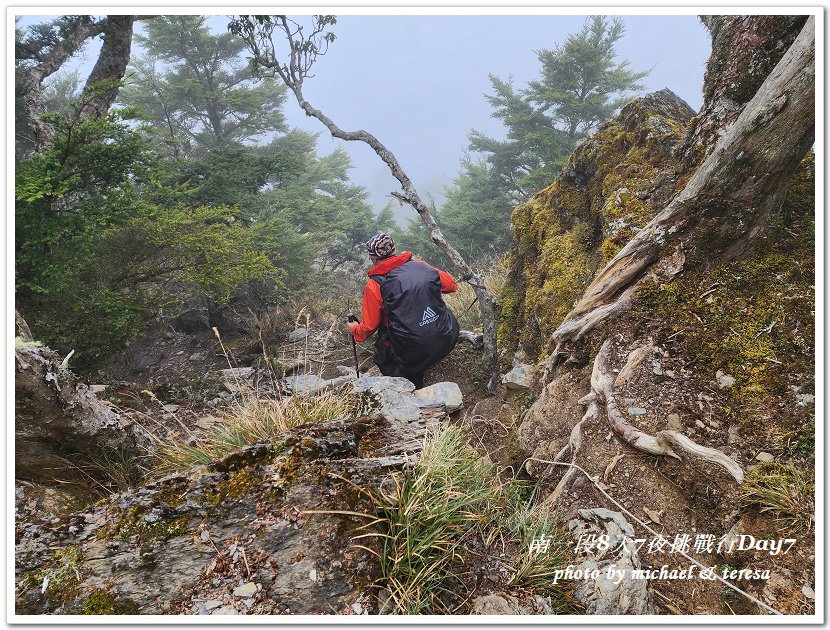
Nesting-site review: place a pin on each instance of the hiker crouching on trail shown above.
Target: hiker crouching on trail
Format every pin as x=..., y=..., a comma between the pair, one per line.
x=402, y=301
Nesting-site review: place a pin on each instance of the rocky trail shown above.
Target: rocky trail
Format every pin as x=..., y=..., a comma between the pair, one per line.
x=238, y=534
x=655, y=413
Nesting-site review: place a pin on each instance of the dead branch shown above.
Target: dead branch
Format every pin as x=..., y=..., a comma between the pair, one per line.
x=303, y=50
x=23, y=330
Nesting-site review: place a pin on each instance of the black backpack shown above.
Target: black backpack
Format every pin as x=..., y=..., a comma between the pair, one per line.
x=421, y=328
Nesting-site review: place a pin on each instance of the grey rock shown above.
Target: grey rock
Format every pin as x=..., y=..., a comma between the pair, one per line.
x=520, y=377
x=763, y=456
x=192, y=321
x=732, y=434
x=445, y=392
x=395, y=404
x=58, y=417
x=637, y=411
x=802, y=400
x=144, y=361
x=394, y=398
x=303, y=383
x=211, y=604
x=246, y=590
x=378, y=384
x=602, y=596
x=298, y=335
x=196, y=356
x=519, y=357
x=166, y=564
x=724, y=380
x=495, y=605
x=240, y=373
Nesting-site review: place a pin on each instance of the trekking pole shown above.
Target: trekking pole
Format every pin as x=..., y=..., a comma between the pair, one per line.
x=351, y=318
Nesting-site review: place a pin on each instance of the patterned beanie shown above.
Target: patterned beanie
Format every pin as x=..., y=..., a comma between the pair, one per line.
x=380, y=246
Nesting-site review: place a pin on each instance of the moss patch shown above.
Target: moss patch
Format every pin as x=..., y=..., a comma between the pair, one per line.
x=101, y=602
x=752, y=319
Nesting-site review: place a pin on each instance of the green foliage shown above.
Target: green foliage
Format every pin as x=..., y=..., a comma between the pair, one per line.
x=535, y=148
x=204, y=246
x=807, y=441
x=473, y=218
x=93, y=256
x=169, y=199
x=581, y=77
x=197, y=89
x=581, y=86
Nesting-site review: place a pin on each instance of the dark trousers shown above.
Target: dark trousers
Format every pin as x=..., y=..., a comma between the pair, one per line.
x=388, y=364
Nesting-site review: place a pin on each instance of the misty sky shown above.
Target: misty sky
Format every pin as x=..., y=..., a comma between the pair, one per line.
x=417, y=82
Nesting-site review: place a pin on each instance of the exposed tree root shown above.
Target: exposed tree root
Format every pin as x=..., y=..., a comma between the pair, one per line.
x=602, y=395
x=664, y=443
x=574, y=442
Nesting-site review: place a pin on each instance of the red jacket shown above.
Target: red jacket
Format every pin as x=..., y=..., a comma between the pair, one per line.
x=373, y=315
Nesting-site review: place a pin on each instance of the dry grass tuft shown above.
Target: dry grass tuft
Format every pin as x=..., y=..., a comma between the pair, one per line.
x=784, y=491
x=449, y=516
x=250, y=422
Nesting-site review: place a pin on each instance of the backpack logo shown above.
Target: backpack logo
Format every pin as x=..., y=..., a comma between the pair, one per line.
x=429, y=317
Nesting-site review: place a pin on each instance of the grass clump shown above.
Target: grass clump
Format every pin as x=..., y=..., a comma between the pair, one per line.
x=450, y=518
x=250, y=422
x=784, y=491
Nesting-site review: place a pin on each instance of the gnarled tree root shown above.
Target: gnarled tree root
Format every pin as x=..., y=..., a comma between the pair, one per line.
x=665, y=442
x=573, y=445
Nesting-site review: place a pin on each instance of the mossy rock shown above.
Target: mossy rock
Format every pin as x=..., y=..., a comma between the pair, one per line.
x=612, y=185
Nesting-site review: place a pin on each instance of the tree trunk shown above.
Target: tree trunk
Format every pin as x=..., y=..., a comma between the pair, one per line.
x=102, y=85
x=32, y=98
x=745, y=49
x=740, y=183
x=112, y=62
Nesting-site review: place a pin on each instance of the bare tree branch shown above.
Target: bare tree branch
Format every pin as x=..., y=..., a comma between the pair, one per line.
x=303, y=51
